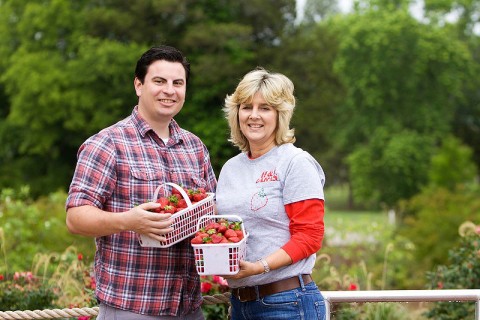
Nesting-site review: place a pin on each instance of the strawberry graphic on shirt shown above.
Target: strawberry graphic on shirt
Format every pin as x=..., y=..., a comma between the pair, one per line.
x=259, y=200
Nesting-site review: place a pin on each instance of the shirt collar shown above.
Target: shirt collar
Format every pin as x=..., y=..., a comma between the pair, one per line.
x=143, y=127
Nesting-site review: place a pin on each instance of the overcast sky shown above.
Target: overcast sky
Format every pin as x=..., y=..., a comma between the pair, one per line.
x=346, y=5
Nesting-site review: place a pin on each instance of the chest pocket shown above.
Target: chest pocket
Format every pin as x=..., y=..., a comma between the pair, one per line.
x=189, y=179
x=143, y=183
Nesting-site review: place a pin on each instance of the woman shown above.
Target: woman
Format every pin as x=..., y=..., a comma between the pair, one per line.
x=277, y=190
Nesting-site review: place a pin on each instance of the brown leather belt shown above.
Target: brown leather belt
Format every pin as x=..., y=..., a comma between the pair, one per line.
x=245, y=294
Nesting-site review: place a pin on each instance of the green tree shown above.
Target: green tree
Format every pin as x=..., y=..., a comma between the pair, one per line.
x=69, y=72
x=452, y=165
x=400, y=75
x=307, y=57
x=61, y=87
x=390, y=167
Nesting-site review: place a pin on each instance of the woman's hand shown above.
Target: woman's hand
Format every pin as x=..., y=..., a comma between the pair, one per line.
x=247, y=269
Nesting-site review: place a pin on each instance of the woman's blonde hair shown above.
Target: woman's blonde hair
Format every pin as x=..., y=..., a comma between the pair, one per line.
x=277, y=90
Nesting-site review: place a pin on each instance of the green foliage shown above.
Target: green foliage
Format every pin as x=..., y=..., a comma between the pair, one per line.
x=371, y=311
x=23, y=291
x=57, y=280
x=462, y=272
x=452, y=165
x=398, y=77
x=68, y=72
x=307, y=58
x=363, y=249
x=390, y=167
x=399, y=74
x=29, y=228
x=430, y=221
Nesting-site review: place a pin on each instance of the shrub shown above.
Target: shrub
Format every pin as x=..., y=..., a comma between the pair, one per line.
x=31, y=227
x=24, y=291
x=56, y=281
x=431, y=220
x=463, y=272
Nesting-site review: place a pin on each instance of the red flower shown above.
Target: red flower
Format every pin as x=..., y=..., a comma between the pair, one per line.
x=1, y=277
x=80, y=257
x=205, y=287
x=352, y=287
x=440, y=285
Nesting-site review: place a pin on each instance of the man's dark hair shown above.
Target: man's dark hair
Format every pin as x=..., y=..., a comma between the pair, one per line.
x=163, y=52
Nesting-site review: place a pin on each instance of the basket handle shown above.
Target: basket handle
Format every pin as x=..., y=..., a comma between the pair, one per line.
x=176, y=186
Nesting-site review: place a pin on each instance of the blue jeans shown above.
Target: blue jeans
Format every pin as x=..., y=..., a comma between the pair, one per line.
x=302, y=303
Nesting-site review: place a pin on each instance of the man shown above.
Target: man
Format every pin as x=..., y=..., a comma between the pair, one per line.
x=117, y=172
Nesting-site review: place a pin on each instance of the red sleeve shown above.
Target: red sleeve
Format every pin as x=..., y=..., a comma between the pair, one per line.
x=306, y=228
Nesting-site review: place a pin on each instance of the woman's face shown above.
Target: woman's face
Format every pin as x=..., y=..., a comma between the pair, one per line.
x=258, y=121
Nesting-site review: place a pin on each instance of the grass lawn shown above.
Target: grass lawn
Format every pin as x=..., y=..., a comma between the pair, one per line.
x=345, y=227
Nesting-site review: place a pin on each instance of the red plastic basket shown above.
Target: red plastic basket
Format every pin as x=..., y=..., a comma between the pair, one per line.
x=185, y=222
x=219, y=258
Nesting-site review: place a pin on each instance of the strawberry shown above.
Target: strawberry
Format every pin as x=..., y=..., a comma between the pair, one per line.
x=211, y=231
x=212, y=225
x=182, y=203
x=173, y=200
x=234, y=239
x=239, y=234
x=199, y=196
x=229, y=233
x=169, y=209
x=217, y=237
x=189, y=192
x=163, y=201
x=202, y=234
x=176, y=191
x=222, y=228
x=236, y=225
x=197, y=240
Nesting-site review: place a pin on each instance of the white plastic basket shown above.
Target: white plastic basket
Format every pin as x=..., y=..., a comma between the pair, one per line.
x=219, y=258
x=185, y=222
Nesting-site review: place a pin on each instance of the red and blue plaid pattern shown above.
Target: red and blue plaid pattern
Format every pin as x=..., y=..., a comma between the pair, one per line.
x=121, y=167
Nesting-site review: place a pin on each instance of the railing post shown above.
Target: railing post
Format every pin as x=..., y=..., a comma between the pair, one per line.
x=328, y=309
x=477, y=310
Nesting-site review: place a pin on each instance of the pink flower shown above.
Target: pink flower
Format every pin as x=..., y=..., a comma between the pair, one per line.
x=440, y=285
x=220, y=280
x=205, y=287
x=83, y=318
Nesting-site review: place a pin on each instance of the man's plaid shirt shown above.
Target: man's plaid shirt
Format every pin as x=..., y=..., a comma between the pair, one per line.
x=121, y=167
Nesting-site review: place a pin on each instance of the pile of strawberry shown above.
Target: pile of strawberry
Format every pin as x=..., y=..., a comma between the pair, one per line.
x=175, y=201
x=220, y=231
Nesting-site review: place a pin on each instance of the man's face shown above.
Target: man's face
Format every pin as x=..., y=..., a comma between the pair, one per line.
x=162, y=94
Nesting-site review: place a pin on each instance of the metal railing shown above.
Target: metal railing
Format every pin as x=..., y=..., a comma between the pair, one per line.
x=454, y=295
x=331, y=297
